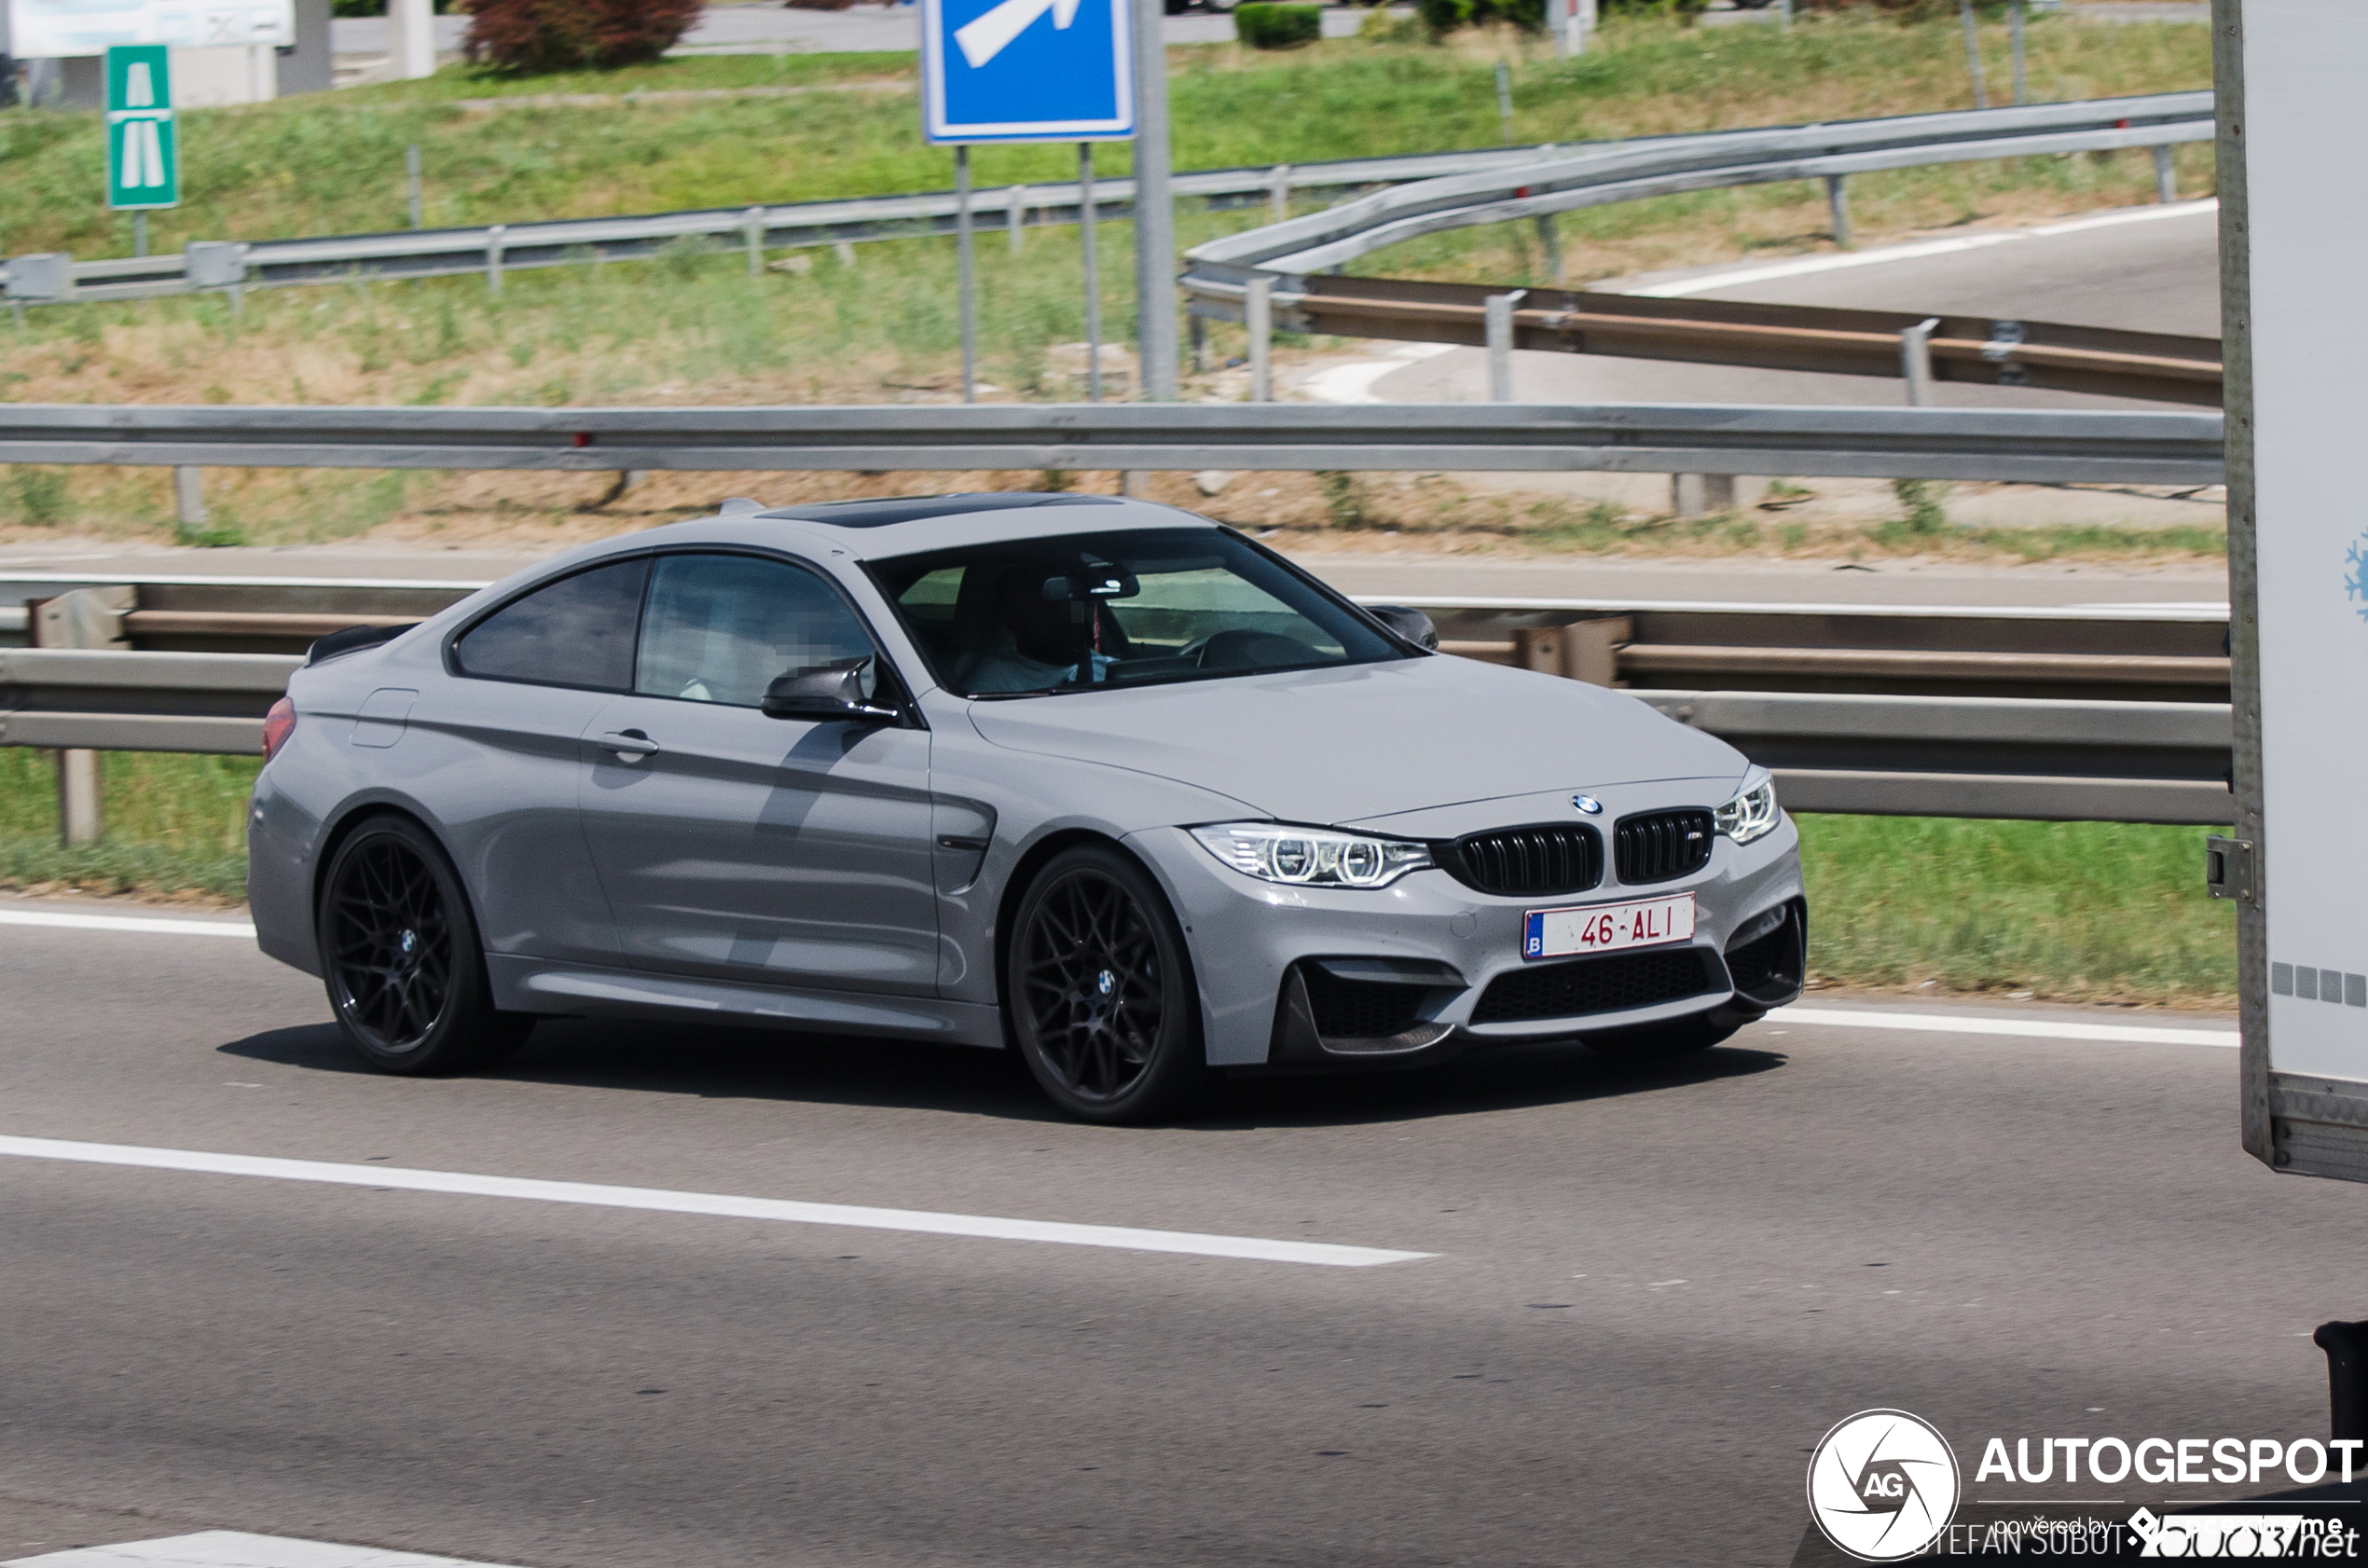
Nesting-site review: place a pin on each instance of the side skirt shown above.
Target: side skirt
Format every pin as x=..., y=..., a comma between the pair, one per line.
x=576, y=990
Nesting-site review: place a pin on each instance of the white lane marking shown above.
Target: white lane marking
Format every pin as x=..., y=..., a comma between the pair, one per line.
x=922, y=1221
x=230, y=1548
x=1918, y=250
x=1353, y=382
x=2026, y=1028
x=61, y=920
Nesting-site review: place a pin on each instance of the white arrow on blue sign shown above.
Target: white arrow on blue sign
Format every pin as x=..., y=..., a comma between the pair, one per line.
x=1027, y=70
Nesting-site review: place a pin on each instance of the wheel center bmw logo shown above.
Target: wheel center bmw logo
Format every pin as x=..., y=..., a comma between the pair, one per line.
x=1588, y=804
x=1105, y=982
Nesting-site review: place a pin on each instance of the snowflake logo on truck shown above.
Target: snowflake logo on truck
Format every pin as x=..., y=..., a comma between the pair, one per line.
x=1882, y=1485
x=2356, y=580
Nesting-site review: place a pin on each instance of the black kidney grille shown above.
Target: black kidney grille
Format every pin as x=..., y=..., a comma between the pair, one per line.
x=1661, y=846
x=1592, y=985
x=1360, y=1009
x=1556, y=858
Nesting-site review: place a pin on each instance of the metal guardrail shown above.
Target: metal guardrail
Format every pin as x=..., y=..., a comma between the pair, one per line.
x=2037, y=445
x=2141, y=653
x=1879, y=755
x=1291, y=256
x=1546, y=182
x=2107, y=361
x=451, y=252
x=106, y=701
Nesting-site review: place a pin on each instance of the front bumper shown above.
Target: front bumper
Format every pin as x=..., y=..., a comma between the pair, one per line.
x=1408, y=973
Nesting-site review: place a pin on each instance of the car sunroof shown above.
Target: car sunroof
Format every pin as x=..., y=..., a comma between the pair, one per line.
x=913, y=508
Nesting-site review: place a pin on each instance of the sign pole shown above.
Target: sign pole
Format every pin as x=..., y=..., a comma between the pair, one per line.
x=970, y=282
x=1154, y=210
x=1093, y=274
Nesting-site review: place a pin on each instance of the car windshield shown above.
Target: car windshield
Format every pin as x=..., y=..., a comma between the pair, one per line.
x=1091, y=612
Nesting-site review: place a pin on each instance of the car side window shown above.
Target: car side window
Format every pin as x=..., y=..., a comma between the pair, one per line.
x=721, y=628
x=577, y=631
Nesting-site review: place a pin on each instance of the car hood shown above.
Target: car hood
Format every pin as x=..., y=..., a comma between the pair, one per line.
x=1345, y=744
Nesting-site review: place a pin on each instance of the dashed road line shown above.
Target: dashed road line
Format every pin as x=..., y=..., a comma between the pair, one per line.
x=717, y=1204
x=66, y=920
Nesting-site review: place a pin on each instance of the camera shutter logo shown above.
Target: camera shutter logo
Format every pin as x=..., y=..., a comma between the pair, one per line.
x=1883, y=1485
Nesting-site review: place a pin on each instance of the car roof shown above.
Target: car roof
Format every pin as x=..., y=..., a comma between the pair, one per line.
x=914, y=524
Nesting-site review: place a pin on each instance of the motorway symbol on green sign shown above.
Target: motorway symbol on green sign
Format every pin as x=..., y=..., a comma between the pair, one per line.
x=143, y=155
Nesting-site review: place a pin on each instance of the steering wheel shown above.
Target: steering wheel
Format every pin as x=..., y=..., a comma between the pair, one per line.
x=1239, y=648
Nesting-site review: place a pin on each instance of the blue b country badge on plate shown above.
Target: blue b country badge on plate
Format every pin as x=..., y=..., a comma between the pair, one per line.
x=1027, y=70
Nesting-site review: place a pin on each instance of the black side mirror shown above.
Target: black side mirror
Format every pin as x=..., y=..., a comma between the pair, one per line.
x=1408, y=622
x=824, y=694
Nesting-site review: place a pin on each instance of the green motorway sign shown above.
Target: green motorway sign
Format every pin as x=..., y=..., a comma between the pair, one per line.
x=143, y=155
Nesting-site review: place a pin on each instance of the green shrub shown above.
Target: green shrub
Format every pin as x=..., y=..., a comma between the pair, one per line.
x=1446, y=16
x=1266, y=26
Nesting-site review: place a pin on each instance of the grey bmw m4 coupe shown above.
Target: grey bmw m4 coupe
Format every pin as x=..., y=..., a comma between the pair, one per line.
x=1100, y=781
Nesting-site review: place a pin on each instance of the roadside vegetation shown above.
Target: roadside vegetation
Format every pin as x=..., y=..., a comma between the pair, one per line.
x=2054, y=911
x=692, y=327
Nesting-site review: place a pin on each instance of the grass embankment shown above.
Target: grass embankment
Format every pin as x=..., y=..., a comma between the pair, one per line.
x=2066, y=911
x=692, y=328
x=175, y=825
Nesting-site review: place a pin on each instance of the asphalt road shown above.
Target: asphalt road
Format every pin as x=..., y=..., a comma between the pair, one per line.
x=1651, y=1293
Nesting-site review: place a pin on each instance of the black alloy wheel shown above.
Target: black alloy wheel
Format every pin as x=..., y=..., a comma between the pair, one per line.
x=400, y=955
x=1099, y=991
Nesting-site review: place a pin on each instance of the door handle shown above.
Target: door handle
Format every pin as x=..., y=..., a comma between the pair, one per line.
x=629, y=746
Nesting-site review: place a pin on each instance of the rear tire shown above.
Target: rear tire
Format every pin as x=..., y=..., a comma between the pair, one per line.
x=401, y=957
x=1663, y=1042
x=1098, y=992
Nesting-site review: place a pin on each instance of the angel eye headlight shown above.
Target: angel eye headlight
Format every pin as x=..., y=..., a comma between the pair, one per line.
x=1753, y=813
x=1312, y=856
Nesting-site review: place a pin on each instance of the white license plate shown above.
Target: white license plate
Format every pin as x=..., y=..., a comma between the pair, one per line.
x=1607, y=927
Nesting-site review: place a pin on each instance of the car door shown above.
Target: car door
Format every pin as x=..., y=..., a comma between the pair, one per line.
x=497, y=754
x=738, y=846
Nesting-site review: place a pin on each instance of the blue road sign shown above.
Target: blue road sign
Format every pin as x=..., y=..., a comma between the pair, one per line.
x=1027, y=70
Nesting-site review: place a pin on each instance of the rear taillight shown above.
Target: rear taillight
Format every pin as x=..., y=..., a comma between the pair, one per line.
x=277, y=725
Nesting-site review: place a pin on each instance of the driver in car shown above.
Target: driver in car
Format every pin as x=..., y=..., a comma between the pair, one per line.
x=1033, y=645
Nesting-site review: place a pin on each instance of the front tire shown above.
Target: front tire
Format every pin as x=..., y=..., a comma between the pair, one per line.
x=1098, y=990
x=400, y=955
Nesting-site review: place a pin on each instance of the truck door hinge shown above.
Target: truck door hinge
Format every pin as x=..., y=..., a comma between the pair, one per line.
x=2228, y=868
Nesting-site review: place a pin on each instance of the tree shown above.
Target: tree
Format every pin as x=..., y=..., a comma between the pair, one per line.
x=537, y=35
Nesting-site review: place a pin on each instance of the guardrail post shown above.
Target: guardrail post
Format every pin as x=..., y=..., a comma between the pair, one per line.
x=1497, y=313
x=189, y=495
x=1278, y=192
x=752, y=228
x=493, y=256
x=2022, y=76
x=844, y=252
x=1837, y=210
x=2166, y=179
x=1701, y=495
x=1018, y=216
x=1258, y=316
x=80, y=819
x=1972, y=53
x=1916, y=360
x=1549, y=241
x=1505, y=99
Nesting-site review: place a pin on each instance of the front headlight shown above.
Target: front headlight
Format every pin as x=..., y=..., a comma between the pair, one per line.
x=1312, y=856
x=1753, y=813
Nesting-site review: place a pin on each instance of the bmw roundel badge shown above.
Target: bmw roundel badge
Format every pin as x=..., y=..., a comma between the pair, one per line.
x=1588, y=803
